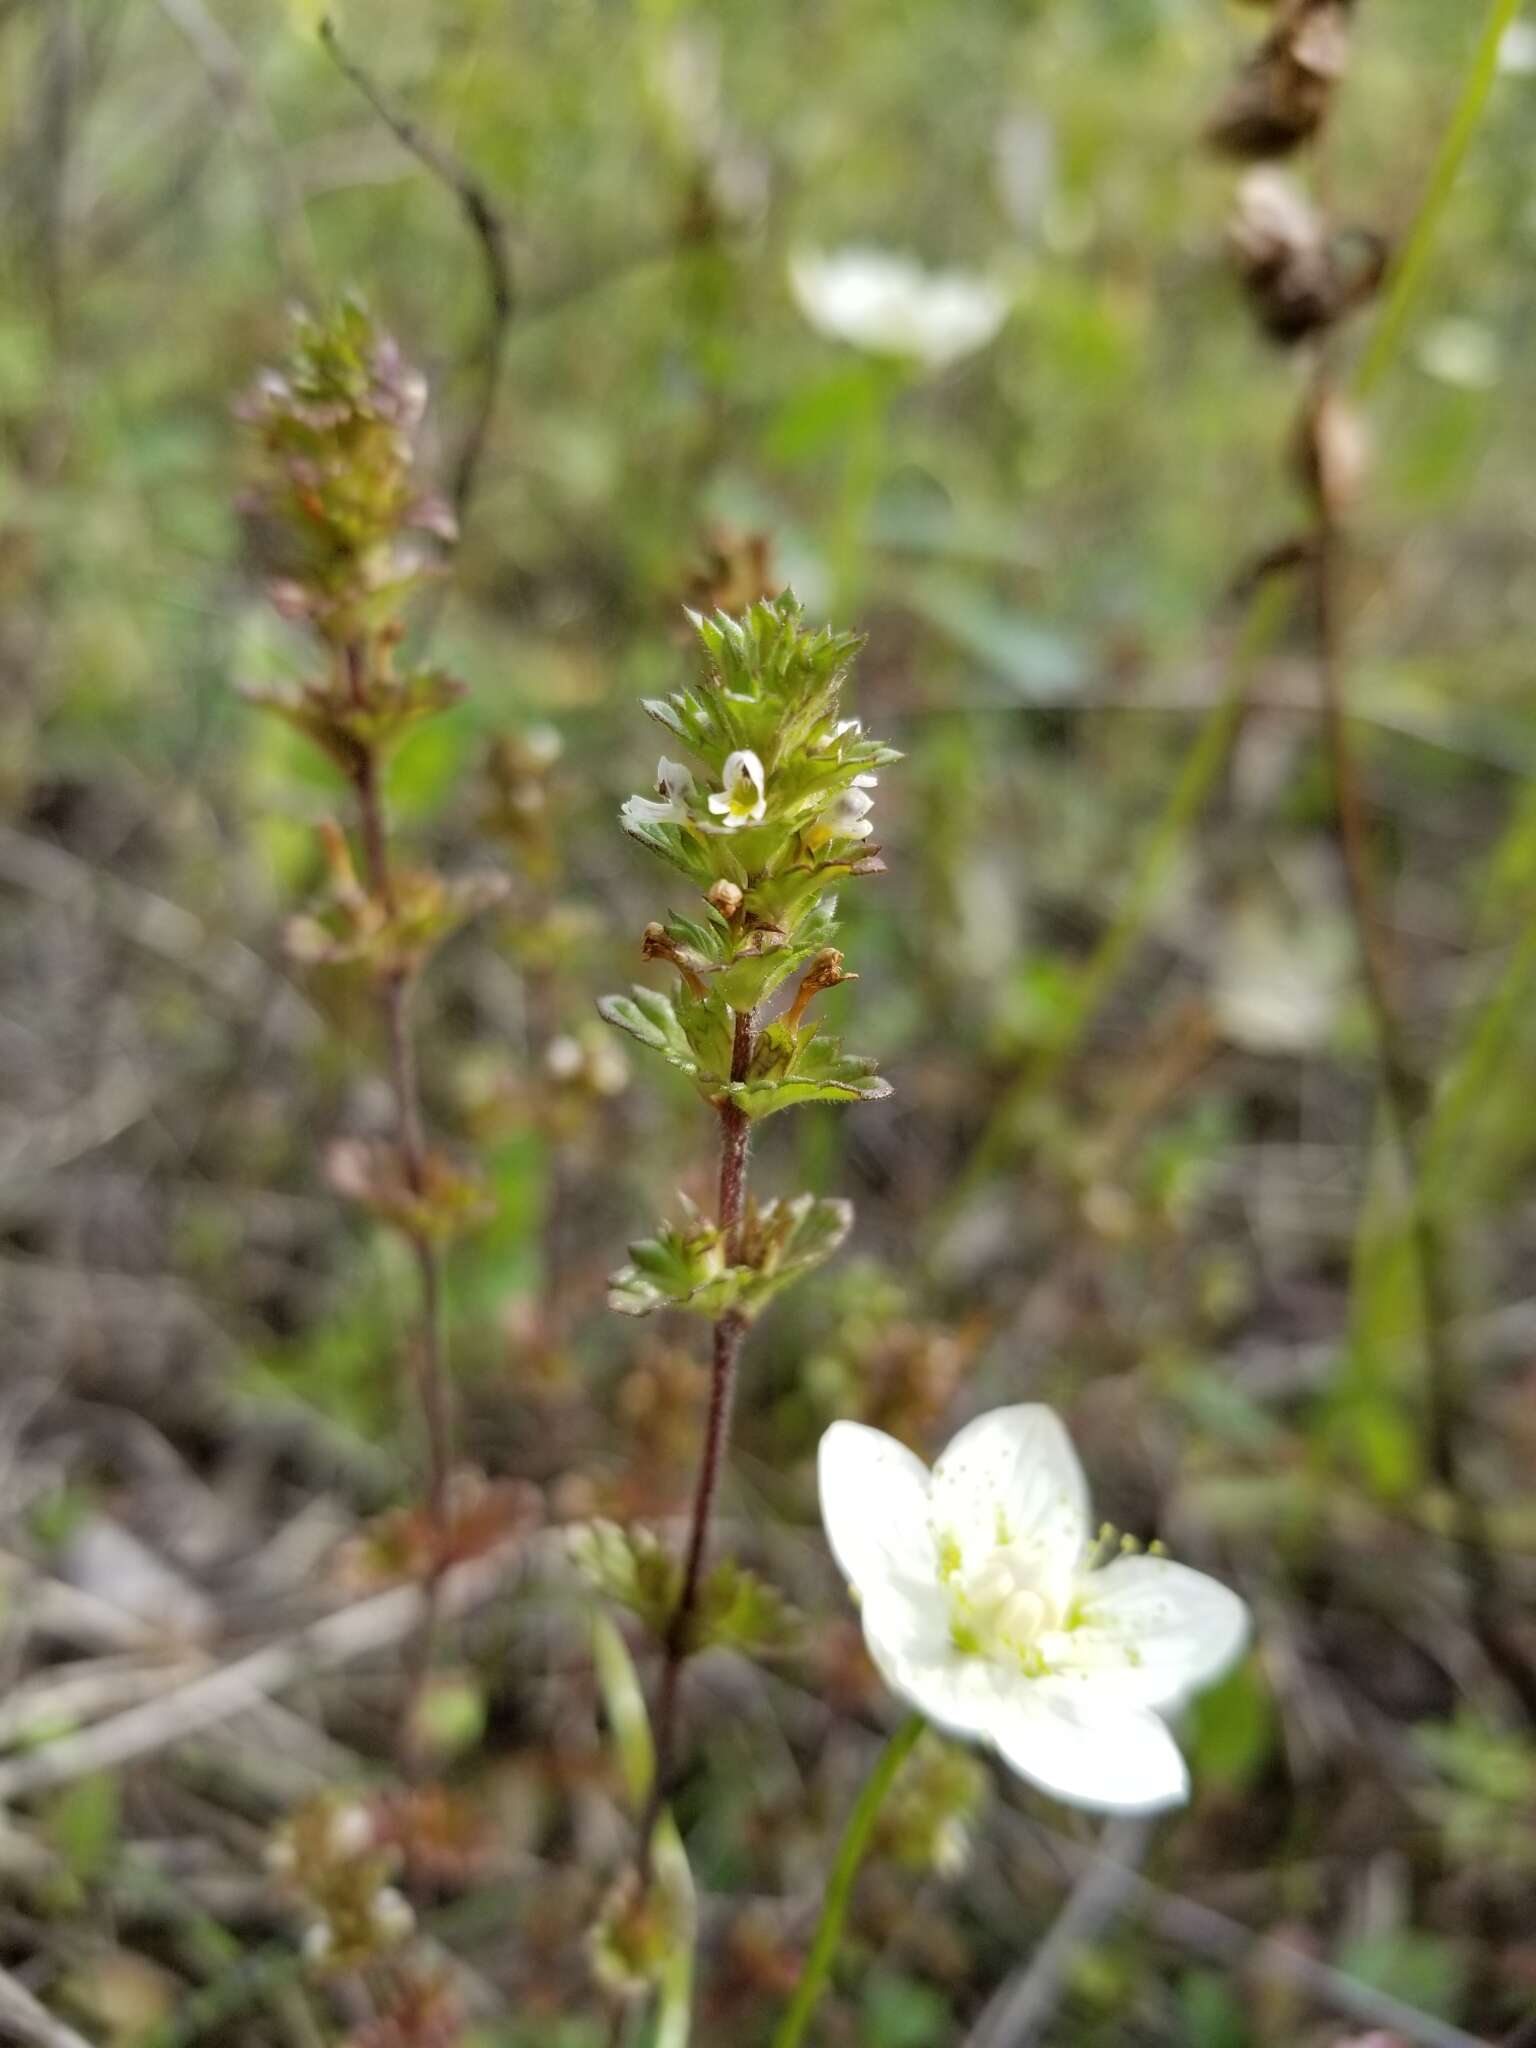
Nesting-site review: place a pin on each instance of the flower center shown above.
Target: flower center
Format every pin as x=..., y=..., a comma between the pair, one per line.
x=1002, y=1607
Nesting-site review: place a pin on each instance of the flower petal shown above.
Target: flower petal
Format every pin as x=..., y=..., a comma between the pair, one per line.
x=1013, y=1477
x=874, y=1503
x=645, y=810
x=1113, y=1763
x=907, y=1629
x=1153, y=1631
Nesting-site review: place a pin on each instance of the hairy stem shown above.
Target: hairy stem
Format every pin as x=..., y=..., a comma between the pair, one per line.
x=434, y=1393
x=850, y=1854
x=731, y=1328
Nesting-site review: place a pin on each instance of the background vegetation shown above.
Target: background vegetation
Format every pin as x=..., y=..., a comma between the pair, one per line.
x=1158, y=1195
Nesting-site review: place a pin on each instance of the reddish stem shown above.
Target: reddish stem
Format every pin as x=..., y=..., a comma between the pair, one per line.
x=433, y=1389
x=730, y=1329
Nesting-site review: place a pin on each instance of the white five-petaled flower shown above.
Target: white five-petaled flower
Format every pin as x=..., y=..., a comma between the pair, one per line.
x=742, y=801
x=982, y=1605
x=889, y=305
x=674, y=785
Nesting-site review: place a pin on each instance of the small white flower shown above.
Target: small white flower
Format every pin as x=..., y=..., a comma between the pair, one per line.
x=1461, y=352
x=892, y=306
x=951, y=1847
x=742, y=801
x=564, y=1057
x=542, y=745
x=848, y=816
x=350, y=1831
x=318, y=1941
x=674, y=786
x=391, y=1915
x=840, y=731
x=981, y=1605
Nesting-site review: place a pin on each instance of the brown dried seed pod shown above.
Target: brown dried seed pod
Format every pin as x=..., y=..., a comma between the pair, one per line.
x=1330, y=453
x=1281, y=95
x=1299, y=278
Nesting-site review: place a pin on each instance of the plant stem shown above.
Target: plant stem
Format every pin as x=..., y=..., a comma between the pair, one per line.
x=1408, y=271
x=1209, y=749
x=434, y=1391
x=729, y=1330
x=1407, y=1102
x=850, y=1854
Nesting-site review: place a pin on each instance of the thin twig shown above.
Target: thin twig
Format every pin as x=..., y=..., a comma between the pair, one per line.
x=1238, y=1950
x=489, y=228
x=378, y=1623
x=239, y=977
x=433, y=1386
x=229, y=77
x=22, y=2019
x=735, y=1135
x=1025, y=2004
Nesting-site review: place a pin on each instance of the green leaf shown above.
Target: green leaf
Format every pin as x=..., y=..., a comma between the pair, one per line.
x=630, y=1567
x=692, y=1033
x=624, y=1704
x=809, y=1068
x=650, y=1018
x=84, y=1823
x=677, y=1926
x=1233, y=1729
x=739, y=1611
x=683, y=1266
x=679, y=846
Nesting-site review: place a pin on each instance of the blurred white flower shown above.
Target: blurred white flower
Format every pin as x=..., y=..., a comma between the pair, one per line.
x=742, y=801
x=674, y=787
x=1517, y=49
x=351, y=1831
x=1461, y=352
x=848, y=816
x=563, y=1057
x=984, y=1604
x=892, y=306
x=392, y=1915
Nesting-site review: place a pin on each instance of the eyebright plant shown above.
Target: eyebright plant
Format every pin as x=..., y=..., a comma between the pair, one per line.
x=772, y=820
x=988, y=1604
x=762, y=805
x=354, y=536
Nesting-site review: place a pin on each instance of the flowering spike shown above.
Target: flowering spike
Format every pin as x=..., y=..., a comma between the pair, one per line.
x=772, y=812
